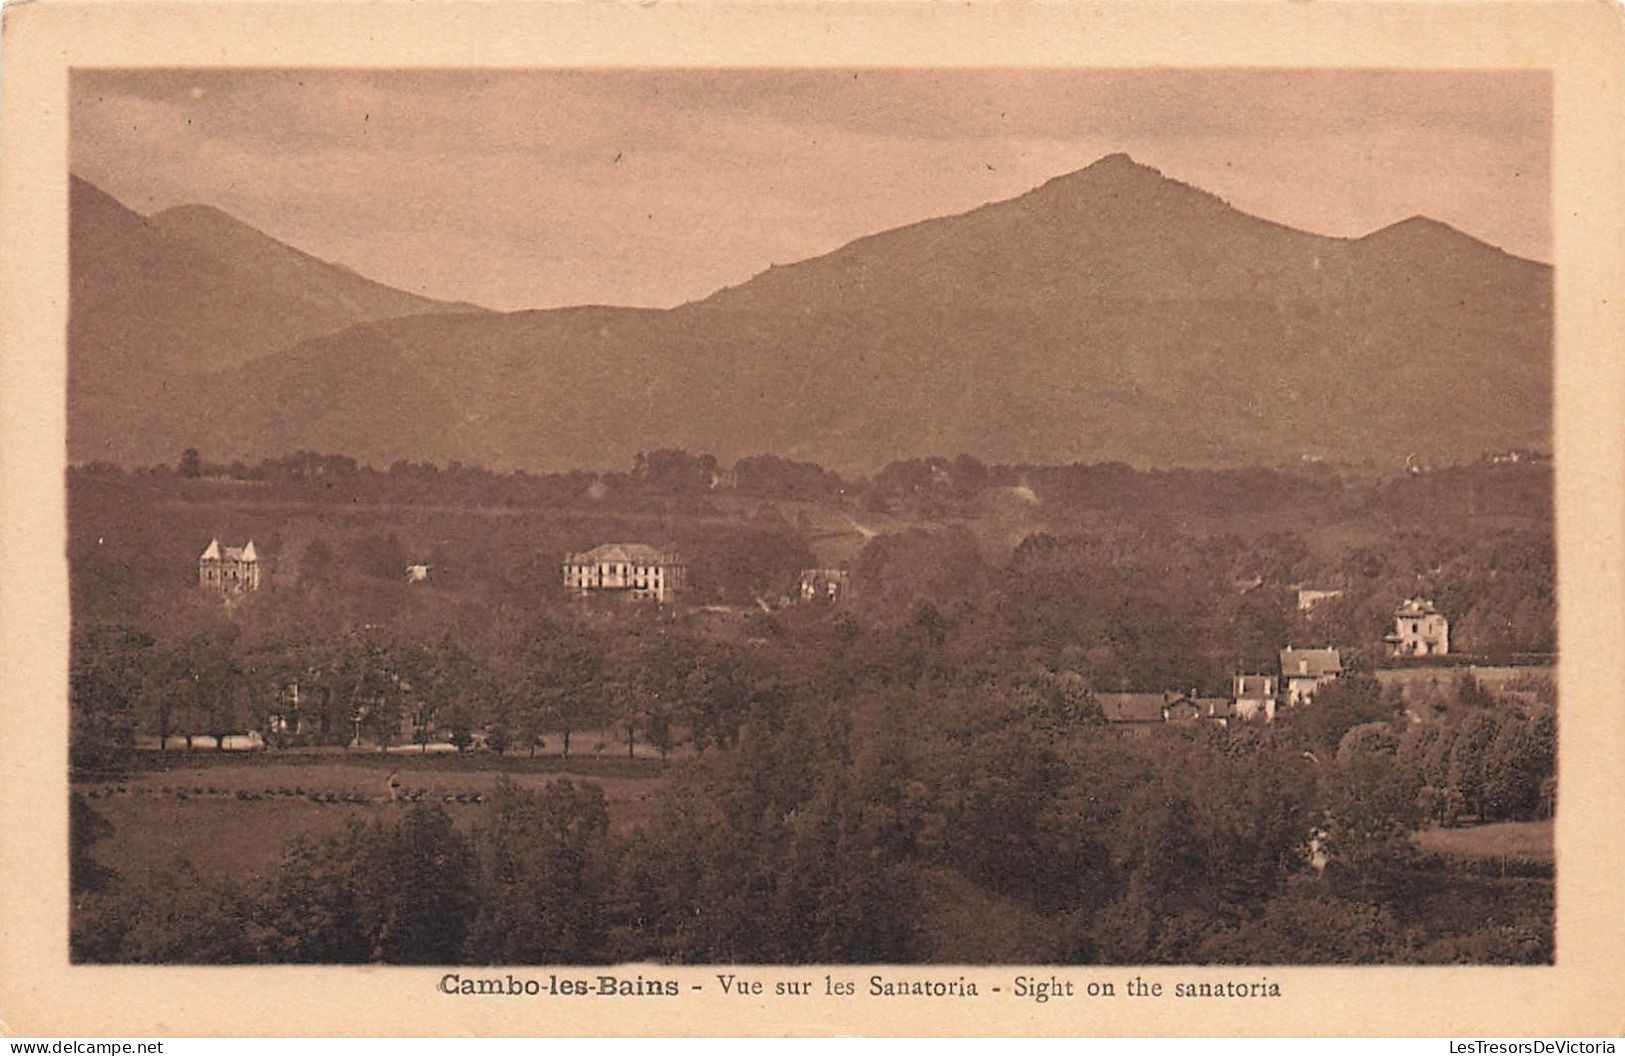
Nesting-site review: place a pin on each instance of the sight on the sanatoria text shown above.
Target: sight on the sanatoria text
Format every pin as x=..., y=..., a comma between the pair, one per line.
x=842, y=516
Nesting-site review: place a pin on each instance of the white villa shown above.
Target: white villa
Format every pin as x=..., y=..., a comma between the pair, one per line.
x=230, y=569
x=634, y=569
x=1419, y=630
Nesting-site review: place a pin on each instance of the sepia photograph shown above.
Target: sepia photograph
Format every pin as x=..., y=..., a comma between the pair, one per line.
x=778, y=519
x=850, y=516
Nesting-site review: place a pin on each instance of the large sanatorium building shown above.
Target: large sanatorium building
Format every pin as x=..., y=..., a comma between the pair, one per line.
x=635, y=569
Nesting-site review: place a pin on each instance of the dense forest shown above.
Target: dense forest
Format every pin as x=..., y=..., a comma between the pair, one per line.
x=836, y=782
x=854, y=831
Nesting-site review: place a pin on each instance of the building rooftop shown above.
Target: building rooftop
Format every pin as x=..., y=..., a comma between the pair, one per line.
x=1185, y=709
x=1255, y=687
x=214, y=552
x=627, y=553
x=1413, y=607
x=1131, y=707
x=1312, y=663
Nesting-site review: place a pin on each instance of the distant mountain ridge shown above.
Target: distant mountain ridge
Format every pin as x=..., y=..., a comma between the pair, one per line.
x=157, y=302
x=1109, y=314
x=331, y=286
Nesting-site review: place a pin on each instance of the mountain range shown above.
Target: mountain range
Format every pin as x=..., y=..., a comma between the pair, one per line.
x=1111, y=314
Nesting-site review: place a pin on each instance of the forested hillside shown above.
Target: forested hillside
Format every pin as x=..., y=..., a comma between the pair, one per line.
x=738, y=777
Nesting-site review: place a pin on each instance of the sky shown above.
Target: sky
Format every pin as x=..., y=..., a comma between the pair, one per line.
x=544, y=188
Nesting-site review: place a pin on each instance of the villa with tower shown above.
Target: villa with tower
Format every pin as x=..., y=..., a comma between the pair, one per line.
x=1420, y=629
x=229, y=569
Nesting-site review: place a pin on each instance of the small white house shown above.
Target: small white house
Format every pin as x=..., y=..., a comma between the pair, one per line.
x=1253, y=696
x=1305, y=670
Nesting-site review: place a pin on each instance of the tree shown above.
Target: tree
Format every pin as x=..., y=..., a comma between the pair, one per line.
x=674, y=472
x=779, y=478
x=568, y=673
x=497, y=738
x=531, y=726
x=1337, y=708
x=86, y=828
x=416, y=887
x=1469, y=750
x=544, y=868
x=208, y=678
x=1519, y=759
x=1470, y=694
x=714, y=700
x=310, y=906
x=186, y=918
x=379, y=556
x=316, y=564
x=376, y=689
x=191, y=463
x=109, y=668
x=462, y=734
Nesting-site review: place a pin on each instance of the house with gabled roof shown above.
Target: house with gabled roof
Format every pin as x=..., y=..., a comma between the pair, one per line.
x=229, y=569
x=1305, y=670
x=1182, y=709
x=1140, y=713
x=1253, y=696
x=1134, y=713
x=632, y=569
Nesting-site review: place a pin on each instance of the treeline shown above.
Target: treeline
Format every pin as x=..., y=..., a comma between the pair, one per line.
x=868, y=828
x=385, y=686
x=1478, y=756
x=1147, y=605
x=495, y=648
x=930, y=487
x=134, y=544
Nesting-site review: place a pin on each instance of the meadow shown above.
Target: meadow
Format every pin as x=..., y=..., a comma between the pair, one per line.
x=1502, y=841
x=231, y=816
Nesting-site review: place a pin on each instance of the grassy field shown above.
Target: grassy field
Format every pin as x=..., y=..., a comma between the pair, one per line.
x=1524, y=841
x=1443, y=678
x=232, y=820
x=592, y=752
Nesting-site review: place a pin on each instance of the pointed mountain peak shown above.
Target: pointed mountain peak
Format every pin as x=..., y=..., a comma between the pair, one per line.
x=1113, y=168
x=1119, y=184
x=1118, y=162
x=1416, y=223
x=1420, y=227
x=1421, y=230
x=195, y=218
